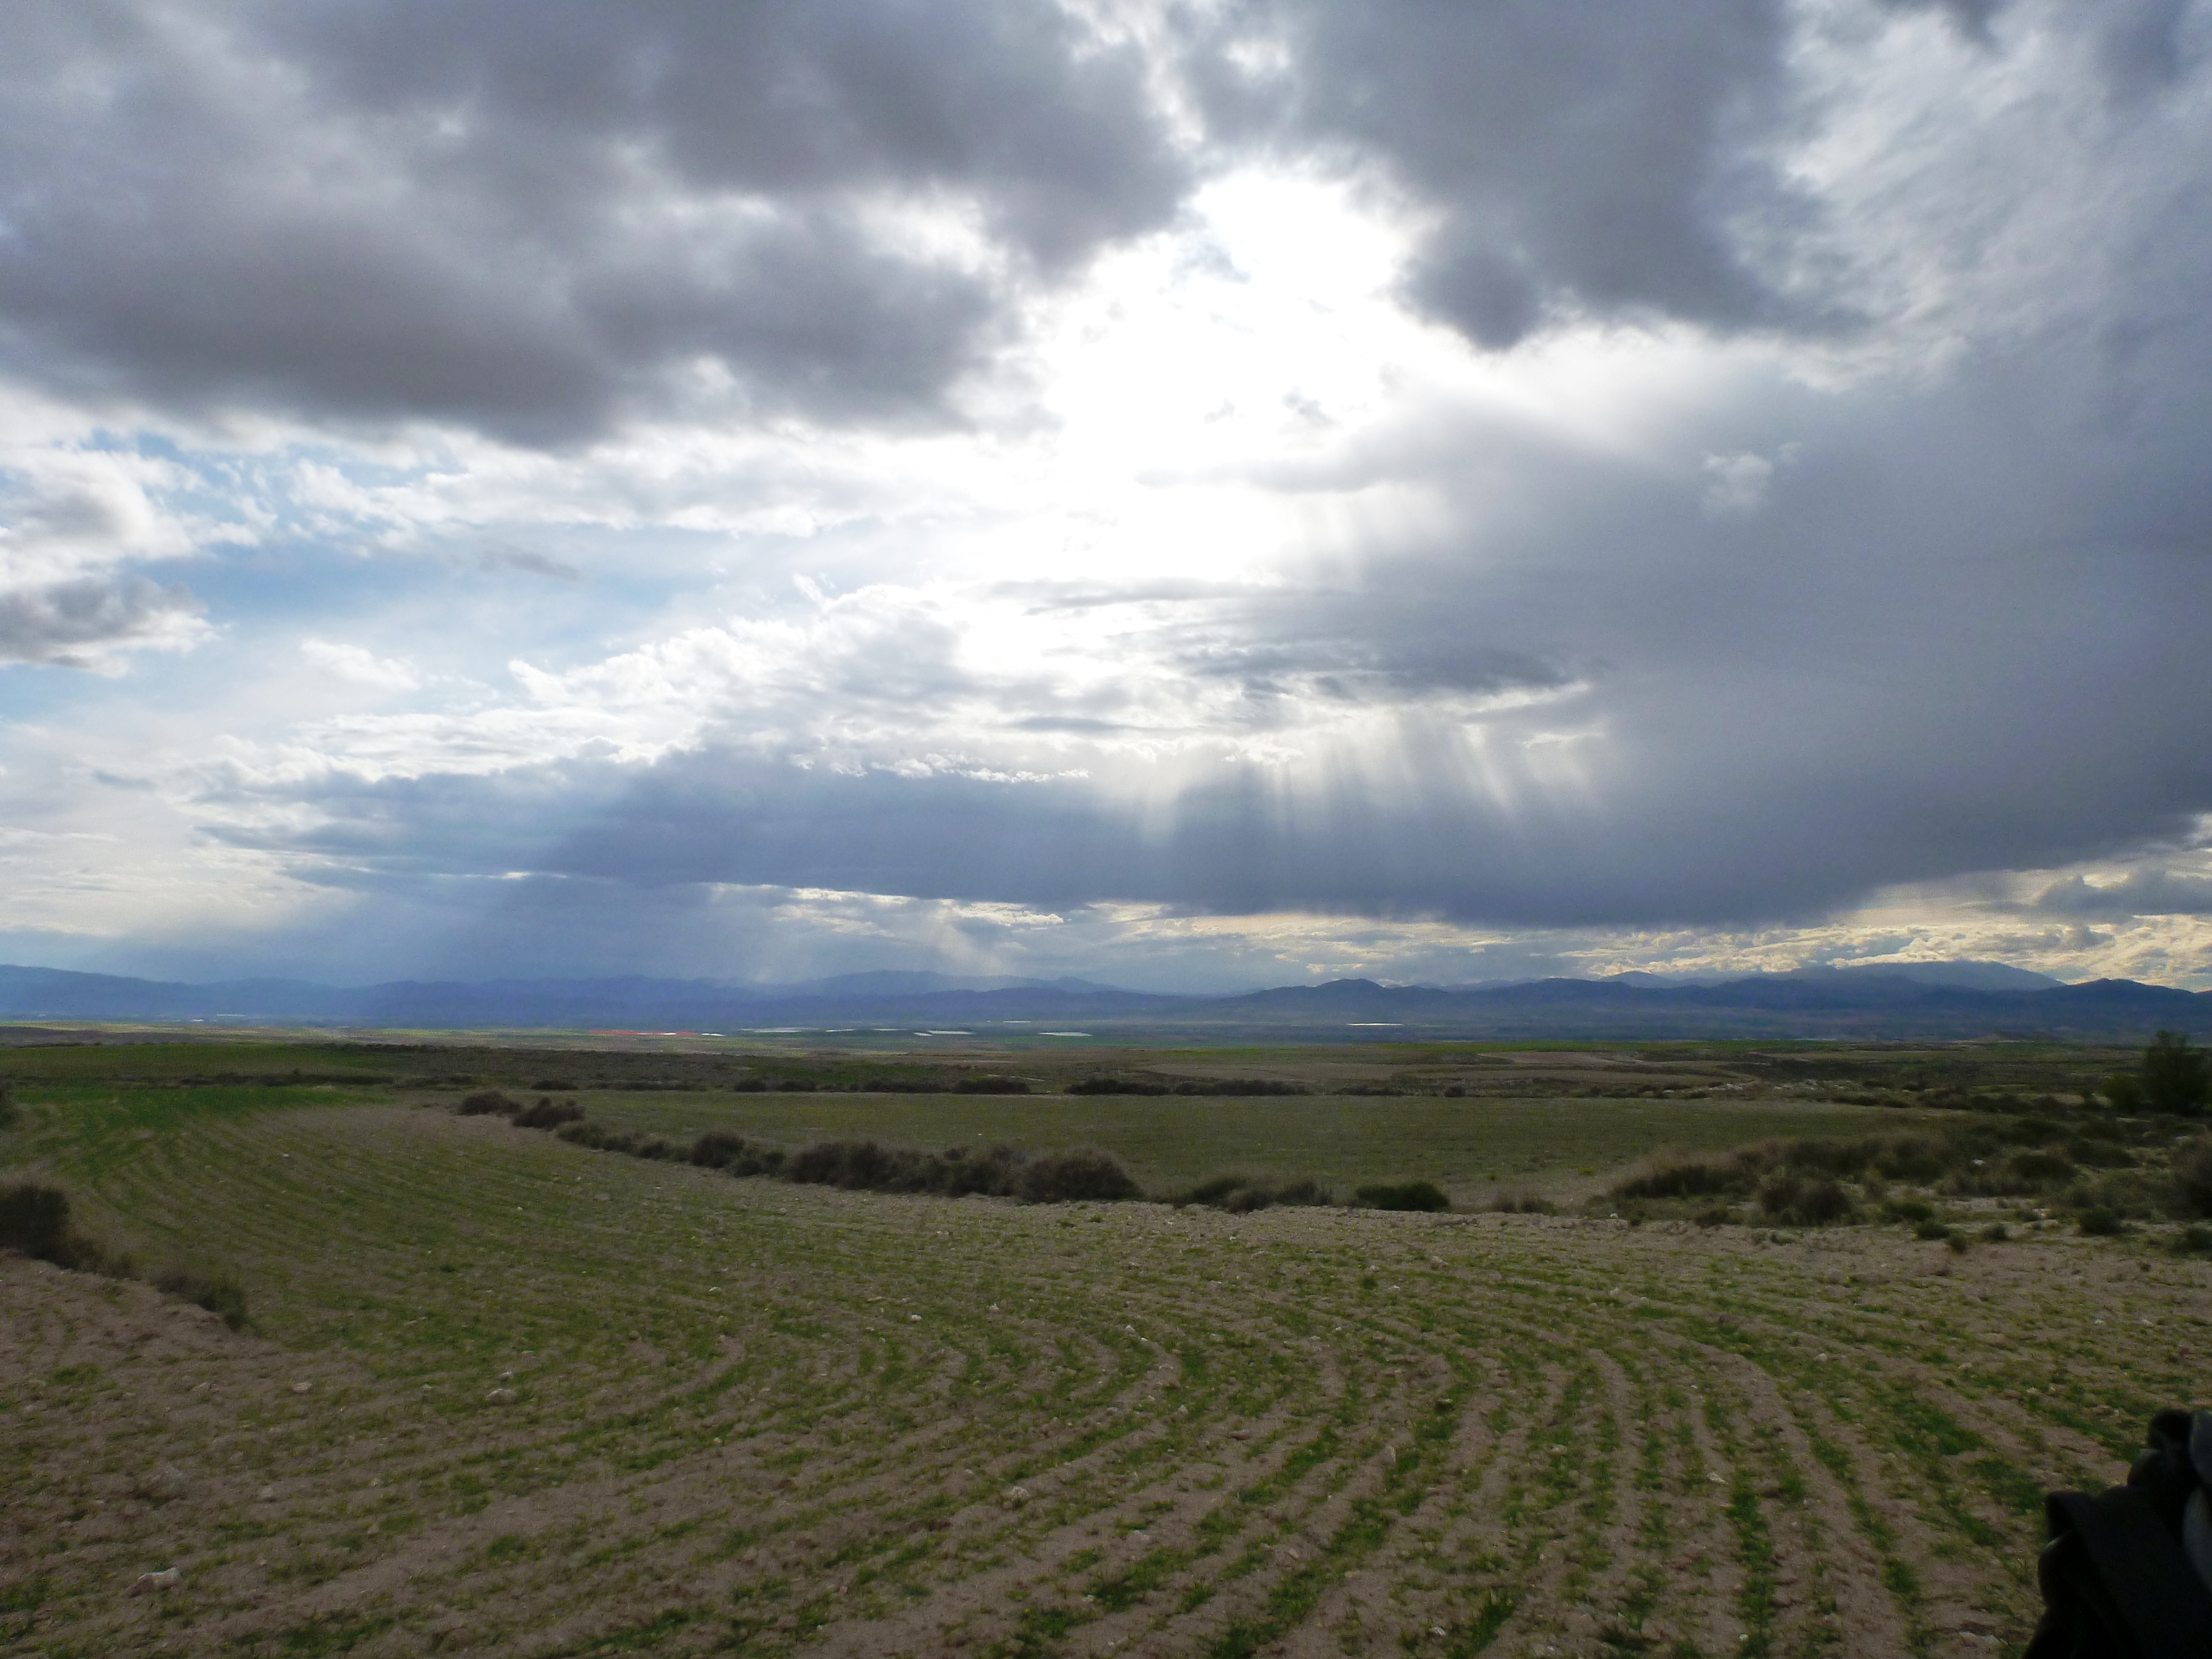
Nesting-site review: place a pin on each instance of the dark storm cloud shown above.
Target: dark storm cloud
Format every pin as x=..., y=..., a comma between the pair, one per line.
x=536, y=220
x=72, y=623
x=1580, y=157
x=2140, y=893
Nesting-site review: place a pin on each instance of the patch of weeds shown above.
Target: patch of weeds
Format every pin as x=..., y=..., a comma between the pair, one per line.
x=2101, y=1221
x=1466, y=1639
x=1041, y=1628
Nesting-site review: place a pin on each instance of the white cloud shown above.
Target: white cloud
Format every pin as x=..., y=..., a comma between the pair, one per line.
x=360, y=666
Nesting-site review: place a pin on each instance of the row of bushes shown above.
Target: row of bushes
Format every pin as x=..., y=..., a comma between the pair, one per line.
x=35, y=1220
x=1242, y=1194
x=1800, y=1183
x=1238, y=1086
x=1085, y=1176
x=852, y=1164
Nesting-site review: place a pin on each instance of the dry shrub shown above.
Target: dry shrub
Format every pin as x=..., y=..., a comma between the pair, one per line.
x=1424, y=1195
x=2192, y=1178
x=35, y=1220
x=1798, y=1203
x=1522, y=1200
x=1675, y=1173
x=1119, y=1085
x=546, y=1114
x=870, y=1166
x=721, y=1149
x=218, y=1293
x=598, y=1137
x=1088, y=1176
x=1240, y=1194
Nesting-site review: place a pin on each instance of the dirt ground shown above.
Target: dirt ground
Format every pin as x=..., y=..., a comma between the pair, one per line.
x=510, y=1397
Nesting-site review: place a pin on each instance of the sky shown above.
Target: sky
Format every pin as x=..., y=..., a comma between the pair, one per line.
x=1187, y=494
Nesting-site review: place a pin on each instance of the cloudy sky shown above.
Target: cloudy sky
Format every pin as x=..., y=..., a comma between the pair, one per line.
x=1191, y=494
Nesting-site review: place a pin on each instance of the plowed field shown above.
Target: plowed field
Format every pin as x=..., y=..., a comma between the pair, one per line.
x=507, y=1396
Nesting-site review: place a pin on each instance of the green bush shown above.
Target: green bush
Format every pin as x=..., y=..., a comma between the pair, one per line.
x=991, y=1085
x=10, y=1113
x=1930, y=1229
x=486, y=1102
x=1907, y=1209
x=1404, y=1196
x=1117, y=1085
x=2101, y=1221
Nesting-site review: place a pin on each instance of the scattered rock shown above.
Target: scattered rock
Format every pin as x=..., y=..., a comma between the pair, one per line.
x=301, y=1388
x=149, y=1583
x=501, y=1396
x=1014, y=1497
x=267, y=1493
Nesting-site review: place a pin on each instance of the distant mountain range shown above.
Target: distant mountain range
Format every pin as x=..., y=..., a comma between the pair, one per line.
x=1926, y=1000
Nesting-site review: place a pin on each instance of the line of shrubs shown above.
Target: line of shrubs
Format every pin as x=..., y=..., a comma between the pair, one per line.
x=860, y=1165
x=35, y=1220
x=1084, y=1175
x=989, y=1085
x=1139, y=1085
x=1801, y=1182
x=1240, y=1194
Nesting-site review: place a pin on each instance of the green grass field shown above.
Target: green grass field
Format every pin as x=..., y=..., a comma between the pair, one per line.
x=509, y=1396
